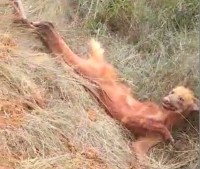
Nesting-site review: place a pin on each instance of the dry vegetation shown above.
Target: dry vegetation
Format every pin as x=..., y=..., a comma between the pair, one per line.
x=155, y=47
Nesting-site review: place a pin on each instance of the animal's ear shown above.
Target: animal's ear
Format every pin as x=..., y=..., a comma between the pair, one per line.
x=195, y=105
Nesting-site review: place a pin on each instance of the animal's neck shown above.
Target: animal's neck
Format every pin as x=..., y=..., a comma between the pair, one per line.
x=174, y=118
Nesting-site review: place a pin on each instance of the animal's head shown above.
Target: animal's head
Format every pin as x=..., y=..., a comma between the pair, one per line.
x=181, y=99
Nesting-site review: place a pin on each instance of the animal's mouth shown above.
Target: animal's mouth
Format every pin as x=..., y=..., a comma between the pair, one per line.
x=167, y=105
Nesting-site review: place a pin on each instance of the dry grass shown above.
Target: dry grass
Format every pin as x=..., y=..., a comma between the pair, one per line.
x=63, y=135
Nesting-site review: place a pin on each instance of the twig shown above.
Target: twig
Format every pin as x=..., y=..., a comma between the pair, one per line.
x=19, y=9
x=20, y=14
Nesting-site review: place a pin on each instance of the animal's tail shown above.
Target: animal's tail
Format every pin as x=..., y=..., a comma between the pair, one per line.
x=96, y=51
x=106, y=70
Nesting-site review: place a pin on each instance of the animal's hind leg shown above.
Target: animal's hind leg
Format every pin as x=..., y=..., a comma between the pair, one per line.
x=142, y=146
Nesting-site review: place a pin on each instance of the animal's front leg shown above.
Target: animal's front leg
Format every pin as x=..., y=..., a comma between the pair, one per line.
x=142, y=146
x=148, y=124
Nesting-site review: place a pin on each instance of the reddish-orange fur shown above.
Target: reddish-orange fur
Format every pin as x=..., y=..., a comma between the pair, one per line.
x=149, y=121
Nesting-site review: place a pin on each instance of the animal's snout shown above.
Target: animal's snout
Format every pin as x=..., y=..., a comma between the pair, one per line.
x=166, y=100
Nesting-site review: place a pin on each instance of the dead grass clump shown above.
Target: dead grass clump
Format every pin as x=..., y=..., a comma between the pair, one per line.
x=11, y=114
x=68, y=161
x=48, y=132
x=7, y=45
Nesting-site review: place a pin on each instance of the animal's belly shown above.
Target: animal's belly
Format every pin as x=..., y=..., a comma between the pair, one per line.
x=139, y=131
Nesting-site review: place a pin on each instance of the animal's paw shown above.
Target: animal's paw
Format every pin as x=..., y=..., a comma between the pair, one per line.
x=168, y=136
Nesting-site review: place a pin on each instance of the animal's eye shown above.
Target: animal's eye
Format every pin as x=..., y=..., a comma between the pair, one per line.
x=172, y=92
x=181, y=99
